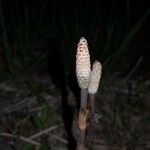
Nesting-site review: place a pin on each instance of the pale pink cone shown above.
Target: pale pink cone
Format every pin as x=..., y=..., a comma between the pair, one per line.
x=95, y=77
x=83, y=64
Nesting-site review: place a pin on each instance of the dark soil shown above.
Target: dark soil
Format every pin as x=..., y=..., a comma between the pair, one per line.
x=120, y=120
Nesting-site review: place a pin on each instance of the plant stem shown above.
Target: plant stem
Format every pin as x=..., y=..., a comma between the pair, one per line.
x=84, y=93
x=81, y=140
x=92, y=103
x=82, y=118
x=82, y=124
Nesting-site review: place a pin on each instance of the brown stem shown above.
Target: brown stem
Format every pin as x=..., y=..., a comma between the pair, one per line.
x=81, y=147
x=82, y=124
x=81, y=140
x=92, y=103
x=82, y=136
x=82, y=118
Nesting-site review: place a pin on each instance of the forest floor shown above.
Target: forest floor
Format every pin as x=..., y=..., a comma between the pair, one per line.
x=31, y=115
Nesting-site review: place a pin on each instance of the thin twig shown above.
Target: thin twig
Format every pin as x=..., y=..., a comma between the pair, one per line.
x=43, y=132
x=60, y=139
x=27, y=140
x=19, y=105
x=36, y=109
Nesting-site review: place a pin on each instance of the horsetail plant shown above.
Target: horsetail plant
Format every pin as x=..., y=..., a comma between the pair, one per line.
x=83, y=69
x=94, y=83
x=88, y=82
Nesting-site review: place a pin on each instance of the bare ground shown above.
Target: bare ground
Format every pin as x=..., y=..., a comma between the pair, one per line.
x=30, y=115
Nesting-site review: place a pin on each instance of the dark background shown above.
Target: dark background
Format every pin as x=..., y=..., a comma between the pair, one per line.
x=64, y=22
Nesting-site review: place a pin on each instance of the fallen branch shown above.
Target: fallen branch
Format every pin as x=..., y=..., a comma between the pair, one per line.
x=60, y=139
x=18, y=106
x=27, y=140
x=36, y=109
x=43, y=132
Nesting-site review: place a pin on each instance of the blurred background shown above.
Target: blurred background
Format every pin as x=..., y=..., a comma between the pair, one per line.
x=38, y=87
